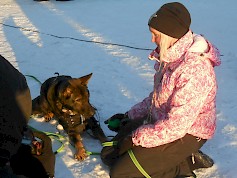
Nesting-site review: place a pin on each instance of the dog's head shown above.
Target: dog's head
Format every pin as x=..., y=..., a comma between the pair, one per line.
x=73, y=97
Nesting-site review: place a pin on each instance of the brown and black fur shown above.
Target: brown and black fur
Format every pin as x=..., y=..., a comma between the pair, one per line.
x=67, y=100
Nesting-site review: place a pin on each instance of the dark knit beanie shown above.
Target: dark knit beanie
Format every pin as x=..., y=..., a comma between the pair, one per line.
x=172, y=19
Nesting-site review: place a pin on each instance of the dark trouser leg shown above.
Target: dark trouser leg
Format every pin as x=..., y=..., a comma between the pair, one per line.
x=199, y=160
x=159, y=162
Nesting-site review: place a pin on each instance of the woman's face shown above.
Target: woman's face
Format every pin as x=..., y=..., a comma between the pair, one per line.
x=155, y=36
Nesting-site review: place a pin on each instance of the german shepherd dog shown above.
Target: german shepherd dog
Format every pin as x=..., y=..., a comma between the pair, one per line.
x=67, y=100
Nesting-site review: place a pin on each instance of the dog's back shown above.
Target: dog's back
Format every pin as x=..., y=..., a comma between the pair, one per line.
x=42, y=104
x=63, y=95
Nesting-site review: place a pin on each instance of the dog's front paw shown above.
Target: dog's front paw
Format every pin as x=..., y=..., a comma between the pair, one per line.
x=80, y=154
x=48, y=116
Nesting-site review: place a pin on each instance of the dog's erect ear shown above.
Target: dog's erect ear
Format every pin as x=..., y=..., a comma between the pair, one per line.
x=80, y=81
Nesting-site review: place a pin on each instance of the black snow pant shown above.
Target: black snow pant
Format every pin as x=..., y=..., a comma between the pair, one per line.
x=165, y=161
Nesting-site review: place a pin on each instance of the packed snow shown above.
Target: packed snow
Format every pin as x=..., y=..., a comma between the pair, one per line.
x=111, y=40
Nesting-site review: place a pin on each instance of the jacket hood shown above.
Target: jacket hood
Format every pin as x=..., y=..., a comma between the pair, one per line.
x=204, y=48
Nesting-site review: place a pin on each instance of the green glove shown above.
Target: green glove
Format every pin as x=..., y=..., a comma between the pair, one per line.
x=117, y=121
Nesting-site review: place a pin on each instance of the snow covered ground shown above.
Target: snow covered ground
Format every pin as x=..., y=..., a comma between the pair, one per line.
x=122, y=76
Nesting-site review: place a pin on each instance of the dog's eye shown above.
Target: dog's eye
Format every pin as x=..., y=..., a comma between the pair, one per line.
x=67, y=97
x=77, y=100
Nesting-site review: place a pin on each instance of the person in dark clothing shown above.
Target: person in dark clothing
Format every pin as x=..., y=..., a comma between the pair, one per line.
x=17, y=158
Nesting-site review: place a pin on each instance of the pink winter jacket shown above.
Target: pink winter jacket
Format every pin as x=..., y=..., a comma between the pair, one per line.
x=184, y=101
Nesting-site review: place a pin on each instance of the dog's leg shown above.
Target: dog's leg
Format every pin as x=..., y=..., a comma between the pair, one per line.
x=76, y=140
x=41, y=107
x=48, y=116
x=36, y=108
x=96, y=129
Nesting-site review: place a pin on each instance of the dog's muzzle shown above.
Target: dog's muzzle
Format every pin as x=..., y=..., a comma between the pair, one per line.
x=68, y=111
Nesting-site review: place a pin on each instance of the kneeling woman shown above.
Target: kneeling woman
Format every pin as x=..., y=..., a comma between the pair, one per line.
x=166, y=130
